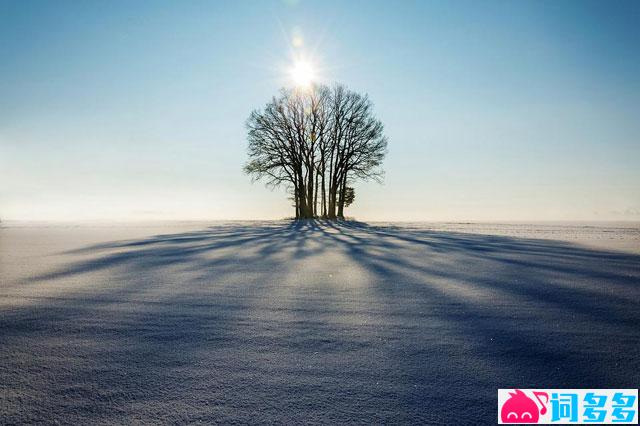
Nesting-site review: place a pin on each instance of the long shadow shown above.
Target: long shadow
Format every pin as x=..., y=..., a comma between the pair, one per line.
x=162, y=250
x=316, y=322
x=141, y=338
x=549, y=333
x=535, y=280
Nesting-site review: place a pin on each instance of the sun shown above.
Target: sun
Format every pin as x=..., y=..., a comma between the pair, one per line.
x=302, y=73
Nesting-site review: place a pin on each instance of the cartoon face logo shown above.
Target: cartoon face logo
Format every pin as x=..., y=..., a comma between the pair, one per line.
x=519, y=408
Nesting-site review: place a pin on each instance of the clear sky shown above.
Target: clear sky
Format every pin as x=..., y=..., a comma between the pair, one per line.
x=505, y=110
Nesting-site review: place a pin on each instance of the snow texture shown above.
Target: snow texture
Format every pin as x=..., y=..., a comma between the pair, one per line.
x=307, y=322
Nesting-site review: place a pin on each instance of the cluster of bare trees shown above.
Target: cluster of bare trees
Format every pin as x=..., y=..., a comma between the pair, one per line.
x=316, y=141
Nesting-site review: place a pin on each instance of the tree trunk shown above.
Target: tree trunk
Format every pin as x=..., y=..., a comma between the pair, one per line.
x=332, y=198
x=324, y=195
x=315, y=197
x=296, y=200
x=310, y=193
x=304, y=208
x=343, y=187
x=331, y=213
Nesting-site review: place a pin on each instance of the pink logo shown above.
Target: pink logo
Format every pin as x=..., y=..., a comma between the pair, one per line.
x=519, y=408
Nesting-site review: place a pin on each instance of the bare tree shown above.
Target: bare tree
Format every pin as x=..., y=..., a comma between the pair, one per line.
x=314, y=141
x=360, y=144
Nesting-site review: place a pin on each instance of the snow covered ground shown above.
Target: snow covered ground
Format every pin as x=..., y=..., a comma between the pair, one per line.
x=262, y=322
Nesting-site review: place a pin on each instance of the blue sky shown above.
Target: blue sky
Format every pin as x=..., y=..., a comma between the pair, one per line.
x=494, y=110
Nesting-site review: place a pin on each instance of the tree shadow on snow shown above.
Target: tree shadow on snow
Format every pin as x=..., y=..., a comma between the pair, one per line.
x=320, y=322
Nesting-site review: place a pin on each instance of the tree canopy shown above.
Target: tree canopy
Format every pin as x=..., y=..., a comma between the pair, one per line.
x=316, y=142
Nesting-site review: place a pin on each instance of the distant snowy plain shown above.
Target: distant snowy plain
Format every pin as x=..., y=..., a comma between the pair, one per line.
x=309, y=322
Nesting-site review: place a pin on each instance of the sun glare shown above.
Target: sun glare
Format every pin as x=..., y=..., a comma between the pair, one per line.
x=302, y=73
